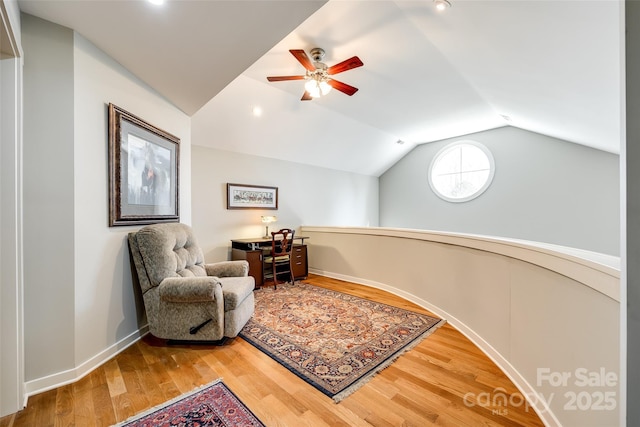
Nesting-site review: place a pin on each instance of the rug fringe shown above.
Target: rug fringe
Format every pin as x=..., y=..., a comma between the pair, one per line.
x=362, y=381
x=165, y=404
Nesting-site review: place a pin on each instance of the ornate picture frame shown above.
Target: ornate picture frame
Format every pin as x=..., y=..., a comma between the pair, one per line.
x=143, y=171
x=242, y=196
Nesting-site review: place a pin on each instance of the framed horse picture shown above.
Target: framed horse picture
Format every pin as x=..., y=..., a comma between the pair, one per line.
x=143, y=171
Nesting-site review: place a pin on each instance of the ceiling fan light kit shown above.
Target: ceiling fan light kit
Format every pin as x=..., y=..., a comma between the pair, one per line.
x=317, y=87
x=318, y=76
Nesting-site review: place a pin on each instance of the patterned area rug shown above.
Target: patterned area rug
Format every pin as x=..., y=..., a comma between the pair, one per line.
x=332, y=340
x=211, y=405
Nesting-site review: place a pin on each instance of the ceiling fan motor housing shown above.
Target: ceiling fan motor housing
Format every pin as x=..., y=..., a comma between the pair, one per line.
x=320, y=73
x=317, y=54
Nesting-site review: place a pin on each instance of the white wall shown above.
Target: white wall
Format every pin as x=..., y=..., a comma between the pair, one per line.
x=307, y=195
x=81, y=307
x=11, y=372
x=48, y=197
x=631, y=255
x=11, y=303
x=105, y=310
x=12, y=19
x=544, y=190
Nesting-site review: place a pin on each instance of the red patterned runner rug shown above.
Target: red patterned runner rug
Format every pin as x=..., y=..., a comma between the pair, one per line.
x=333, y=341
x=210, y=405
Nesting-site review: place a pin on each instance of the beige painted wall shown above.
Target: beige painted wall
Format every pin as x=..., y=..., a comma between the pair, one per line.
x=528, y=317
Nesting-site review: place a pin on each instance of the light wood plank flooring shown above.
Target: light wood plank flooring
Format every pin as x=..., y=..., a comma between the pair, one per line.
x=425, y=386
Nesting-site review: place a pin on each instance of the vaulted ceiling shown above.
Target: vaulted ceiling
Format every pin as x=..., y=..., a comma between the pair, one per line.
x=550, y=67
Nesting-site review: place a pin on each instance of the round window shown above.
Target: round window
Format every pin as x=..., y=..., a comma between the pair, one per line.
x=461, y=171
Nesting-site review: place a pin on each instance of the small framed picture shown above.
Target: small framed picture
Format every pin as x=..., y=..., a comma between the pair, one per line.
x=143, y=171
x=242, y=196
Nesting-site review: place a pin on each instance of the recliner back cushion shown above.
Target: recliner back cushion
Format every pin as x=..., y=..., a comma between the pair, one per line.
x=170, y=250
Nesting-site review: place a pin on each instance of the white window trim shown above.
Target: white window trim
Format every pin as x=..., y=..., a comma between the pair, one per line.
x=486, y=185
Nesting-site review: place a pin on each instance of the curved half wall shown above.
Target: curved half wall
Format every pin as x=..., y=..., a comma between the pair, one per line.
x=547, y=315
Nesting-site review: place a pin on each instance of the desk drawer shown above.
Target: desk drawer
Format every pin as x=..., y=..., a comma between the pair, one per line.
x=299, y=261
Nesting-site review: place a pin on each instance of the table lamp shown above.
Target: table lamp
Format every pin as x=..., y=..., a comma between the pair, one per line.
x=266, y=220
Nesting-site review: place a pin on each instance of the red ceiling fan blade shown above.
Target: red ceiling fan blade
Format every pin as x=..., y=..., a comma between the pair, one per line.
x=302, y=57
x=283, y=78
x=342, y=87
x=306, y=96
x=353, y=62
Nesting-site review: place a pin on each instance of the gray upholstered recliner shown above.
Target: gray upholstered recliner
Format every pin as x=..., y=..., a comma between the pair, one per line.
x=184, y=298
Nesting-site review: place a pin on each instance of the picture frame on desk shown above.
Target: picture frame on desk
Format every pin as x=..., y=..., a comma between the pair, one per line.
x=243, y=196
x=143, y=171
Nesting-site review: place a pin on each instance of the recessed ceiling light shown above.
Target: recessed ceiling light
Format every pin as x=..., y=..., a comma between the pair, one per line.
x=156, y=2
x=257, y=111
x=442, y=4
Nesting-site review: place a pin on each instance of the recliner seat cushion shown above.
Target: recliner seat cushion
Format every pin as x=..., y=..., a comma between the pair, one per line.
x=235, y=290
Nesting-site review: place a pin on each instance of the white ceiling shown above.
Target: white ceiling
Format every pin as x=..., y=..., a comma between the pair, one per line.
x=552, y=67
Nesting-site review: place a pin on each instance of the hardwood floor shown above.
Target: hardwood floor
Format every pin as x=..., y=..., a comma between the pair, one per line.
x=425, y=386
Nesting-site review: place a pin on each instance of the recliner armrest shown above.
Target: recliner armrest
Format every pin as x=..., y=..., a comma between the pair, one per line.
x=190, y=289
x=228, y=268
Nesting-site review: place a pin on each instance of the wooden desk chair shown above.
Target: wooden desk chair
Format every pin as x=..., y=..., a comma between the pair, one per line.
x=279, y=260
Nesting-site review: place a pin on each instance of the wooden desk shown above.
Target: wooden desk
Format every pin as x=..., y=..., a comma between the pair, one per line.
x=253, y=250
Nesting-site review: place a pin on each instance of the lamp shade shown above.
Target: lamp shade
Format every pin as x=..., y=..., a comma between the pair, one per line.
x=267, y=219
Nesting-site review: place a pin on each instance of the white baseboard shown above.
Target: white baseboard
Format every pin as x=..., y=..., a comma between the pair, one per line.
x=72, y=375
x=539, y=405
x=525, y=388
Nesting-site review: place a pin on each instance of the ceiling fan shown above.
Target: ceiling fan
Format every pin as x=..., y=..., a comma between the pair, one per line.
x=318, y=75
